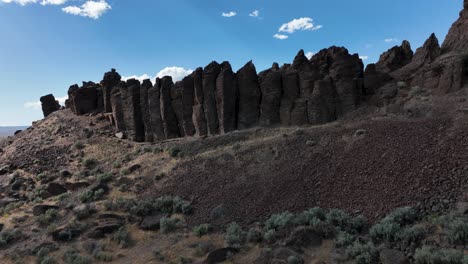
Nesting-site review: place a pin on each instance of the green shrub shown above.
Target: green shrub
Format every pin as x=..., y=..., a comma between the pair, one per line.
x=427, y=255
x=410, y=236
x=202, y=230
x=79, y=145
x=167, y=225
x=122, y=237
x=344, y=222
x=344, y=240
x=457, y=232
x=103, y=256
x=235, y=236
x=170, y=205
x=48, y=217
x=72, y=256
x=363, y=253
x=90, y=163
x=254, y=235
x=89, y=196
x=174, y=152
x=294, y=260
x=48, y=260
x=402, y=216
x=270, y=236
x=105, y=177
x=279, y=221
x=8, y=236
x=385, y=231
x=311, y=215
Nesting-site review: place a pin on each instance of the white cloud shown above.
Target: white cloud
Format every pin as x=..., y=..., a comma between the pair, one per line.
x=19, y=2
x=299, y=24
x=364, y=57
x=91, y=9
x=37, y=104
x=280, y=36
x=389, y=40
x=140, y=78
x=255, y=13
x=309, y=54
x=177, y=73
x=229, y=14
x=53, y=2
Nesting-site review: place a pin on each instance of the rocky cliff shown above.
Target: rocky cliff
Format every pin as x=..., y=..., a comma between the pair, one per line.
x=216, y=100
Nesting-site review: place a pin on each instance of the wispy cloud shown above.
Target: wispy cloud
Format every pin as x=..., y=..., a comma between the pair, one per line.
x=91, y=9
x=19, y=2
x=390, y=40
x=53, y=2
x=177, y=74
x=254, y=13
x=299, y=24
x=280, y=36
x=229, y=14
x=364, y=57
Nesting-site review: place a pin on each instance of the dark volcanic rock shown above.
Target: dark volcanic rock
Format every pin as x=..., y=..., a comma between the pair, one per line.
x=290, y=85
x=210, y=73
x=42, y=209
x=198, y=117
x=110, y=80
x=395, y=58
x=177, y=105
x=226, y=99
x=132, y=111
x=427, y=53
x=374, y=79
x=270, y=84
x=323, y=103
x=85, y=100
x=151, y=222
x=457, y=38
x=54, y=189
x=220, y=255
x=145, y=110
x=154, y=105
x=117, y=106
x=49, y=104
x=171, y=126
x=188, y=94
x=249, y=96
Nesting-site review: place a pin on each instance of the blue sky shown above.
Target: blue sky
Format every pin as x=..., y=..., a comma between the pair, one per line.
x=47, y=45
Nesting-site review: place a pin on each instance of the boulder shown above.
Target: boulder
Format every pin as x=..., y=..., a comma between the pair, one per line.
x=270, y=85
x=249, y=96
x=54, y=189
x=85, y=99
x=42, y=209
x=395, y=58
x=210, y=74
x=188, y=94
x=198, y=116
x=220, y=255
x=110, y=80
x=151, y=222
x=154, y=105
x=49, y=104
x=226, y=99
x=106, y=224
x=65, y=234
x=168, y=115
x=145, y=111
x=302, y=238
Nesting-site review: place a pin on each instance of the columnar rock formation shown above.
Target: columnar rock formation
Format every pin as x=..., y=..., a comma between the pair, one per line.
x=215, y=100
x=49, y=104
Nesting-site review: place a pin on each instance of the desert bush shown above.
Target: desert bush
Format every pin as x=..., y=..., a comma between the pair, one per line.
x=122, y=237
x=48, y=260
x=344, y=222
x=311, y=215
x=72, y=256
x=169, y=204
x=402, y=216
x=48, y=217
x=457, y=231
x=363, y=253
x=344, y=240
x=235, y=236
x=90, y=163
x=270, y=236
x=202, y=230
x=401, y=85
x=392, y=227
x=89, y=196
x=279, y=221
x=410, y=236
x=174, y=152
x=167, y=225
x=8, y=236
x=294, y=260
x=105, y=177
x=84, y=211
x=427, y=255
x=79, y=145
x=385, y=231
x=103, y=256
x=254, y=235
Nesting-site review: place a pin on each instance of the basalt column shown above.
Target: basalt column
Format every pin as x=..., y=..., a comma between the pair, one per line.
x=154, y=106
x=226, y=99
x=270, y=84
x=117, y=106
x=210, y=74
x=133, y=116
x=198, y=116
x=145, y=86
x=171, y=126
x=111, y=79
x=187, y=105
x=249, y=96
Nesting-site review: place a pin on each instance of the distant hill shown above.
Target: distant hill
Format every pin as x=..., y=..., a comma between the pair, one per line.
x=9, y=131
